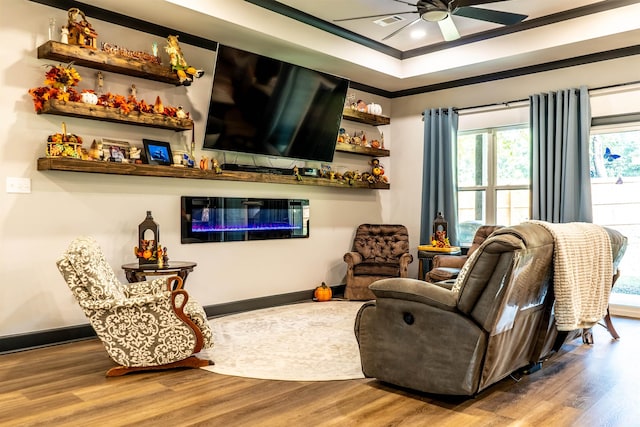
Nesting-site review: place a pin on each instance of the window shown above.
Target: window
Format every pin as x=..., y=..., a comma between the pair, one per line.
x=493, y=178
x=615, y=192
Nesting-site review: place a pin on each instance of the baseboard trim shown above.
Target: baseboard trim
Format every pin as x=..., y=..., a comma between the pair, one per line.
x=32, y=340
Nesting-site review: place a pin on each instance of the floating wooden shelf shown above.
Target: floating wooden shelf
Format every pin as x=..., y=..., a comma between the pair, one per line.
x=365, y=151
x=88, y=166
x=100, y=60
x=361, y=117
x=98, y=112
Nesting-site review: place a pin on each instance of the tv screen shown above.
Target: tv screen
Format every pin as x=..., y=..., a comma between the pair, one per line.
x=260, y=105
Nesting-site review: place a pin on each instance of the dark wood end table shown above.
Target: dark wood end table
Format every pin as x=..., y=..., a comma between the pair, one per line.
x=138, y=273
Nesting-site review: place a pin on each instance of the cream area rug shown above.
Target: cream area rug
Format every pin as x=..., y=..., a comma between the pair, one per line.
x=311, y=341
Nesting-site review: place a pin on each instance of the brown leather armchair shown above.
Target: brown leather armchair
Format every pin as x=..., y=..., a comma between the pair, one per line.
x=379, y=251
x=447, y=267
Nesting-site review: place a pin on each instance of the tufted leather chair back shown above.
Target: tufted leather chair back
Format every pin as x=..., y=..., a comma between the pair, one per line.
x=381, y=242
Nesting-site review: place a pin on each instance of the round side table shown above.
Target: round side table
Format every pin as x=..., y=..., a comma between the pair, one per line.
x=138, y=273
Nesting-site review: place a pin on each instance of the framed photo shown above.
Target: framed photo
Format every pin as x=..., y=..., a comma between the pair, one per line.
x=157, y=152
x=115, y=151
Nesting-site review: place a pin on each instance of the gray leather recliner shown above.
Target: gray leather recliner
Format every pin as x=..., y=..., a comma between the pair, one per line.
x=497, y=319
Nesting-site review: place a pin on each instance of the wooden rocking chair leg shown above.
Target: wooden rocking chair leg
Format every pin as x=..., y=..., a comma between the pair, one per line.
x=609, y=325
x=190, y=362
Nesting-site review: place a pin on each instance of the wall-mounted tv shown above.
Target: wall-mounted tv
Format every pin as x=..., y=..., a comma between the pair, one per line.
x=264, y=106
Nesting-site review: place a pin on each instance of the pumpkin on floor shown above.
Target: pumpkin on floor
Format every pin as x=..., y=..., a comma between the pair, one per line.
x=322, y=293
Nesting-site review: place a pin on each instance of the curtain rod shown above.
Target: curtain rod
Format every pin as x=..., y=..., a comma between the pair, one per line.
x=515, y=101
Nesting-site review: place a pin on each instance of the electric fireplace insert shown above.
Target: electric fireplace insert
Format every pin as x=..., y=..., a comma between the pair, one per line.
x=230, y=219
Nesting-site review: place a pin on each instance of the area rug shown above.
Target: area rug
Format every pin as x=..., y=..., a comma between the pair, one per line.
x=311, y=341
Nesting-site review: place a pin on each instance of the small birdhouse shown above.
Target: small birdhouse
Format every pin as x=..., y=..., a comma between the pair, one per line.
x=81, y=32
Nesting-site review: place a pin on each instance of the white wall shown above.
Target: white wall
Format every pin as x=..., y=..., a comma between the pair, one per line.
x=36, y=228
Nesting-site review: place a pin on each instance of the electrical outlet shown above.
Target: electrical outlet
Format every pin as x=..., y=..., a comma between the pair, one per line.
x=18, y=185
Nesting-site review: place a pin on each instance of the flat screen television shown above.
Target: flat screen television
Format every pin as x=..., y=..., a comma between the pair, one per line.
x=264, y=106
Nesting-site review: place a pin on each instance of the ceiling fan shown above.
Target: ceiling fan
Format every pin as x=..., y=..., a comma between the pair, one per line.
x=440, y=11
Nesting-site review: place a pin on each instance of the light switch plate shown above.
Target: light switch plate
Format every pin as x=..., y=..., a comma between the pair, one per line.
x=18, y=185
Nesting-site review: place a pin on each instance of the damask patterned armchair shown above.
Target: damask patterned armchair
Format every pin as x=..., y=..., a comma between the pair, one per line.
x=143, y=325
x=379, y=251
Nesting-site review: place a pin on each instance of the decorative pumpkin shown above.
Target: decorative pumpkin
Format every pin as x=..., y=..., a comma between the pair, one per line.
x=322, y=293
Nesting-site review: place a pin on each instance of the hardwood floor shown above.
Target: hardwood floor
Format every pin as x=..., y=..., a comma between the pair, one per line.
x=65, y=386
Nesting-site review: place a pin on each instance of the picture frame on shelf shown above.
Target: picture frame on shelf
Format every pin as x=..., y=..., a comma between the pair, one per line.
x=115, y=150
x=157, y=152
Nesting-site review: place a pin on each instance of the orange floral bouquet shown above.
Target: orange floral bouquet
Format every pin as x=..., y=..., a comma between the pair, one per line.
x=60, y=81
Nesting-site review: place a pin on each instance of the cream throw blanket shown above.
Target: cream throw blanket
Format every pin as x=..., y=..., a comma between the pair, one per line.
x=583, y=270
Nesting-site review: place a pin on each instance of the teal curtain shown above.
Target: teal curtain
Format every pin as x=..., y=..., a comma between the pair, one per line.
x=561, y=185
x=439, y=172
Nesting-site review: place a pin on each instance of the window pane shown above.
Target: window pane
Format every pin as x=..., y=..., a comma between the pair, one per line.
x=472, y=159
x=512, y=156
x=471, y=209
x=512, y=206
x=615, y=194
x=615, y=155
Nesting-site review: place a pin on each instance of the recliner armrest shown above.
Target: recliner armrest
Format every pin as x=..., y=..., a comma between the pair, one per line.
x=450, y=261
x=415, y=290
x=352, y=258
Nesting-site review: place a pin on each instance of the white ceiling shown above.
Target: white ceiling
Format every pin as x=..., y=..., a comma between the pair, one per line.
x=607, y=25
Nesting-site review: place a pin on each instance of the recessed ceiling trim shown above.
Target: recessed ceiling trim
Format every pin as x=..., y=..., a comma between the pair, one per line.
x=320, y=24
x=523, y=71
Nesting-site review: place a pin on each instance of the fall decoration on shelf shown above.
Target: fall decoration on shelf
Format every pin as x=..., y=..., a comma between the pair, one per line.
x=322, y=293
x=185, y=72
x=64, y=144
x=60, y=81
x=81, y=32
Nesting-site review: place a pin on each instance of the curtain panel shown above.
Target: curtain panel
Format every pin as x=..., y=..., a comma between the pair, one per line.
x=439, y=176
x=561, y=185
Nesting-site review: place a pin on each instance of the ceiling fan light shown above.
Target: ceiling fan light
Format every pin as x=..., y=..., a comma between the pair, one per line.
x=435, y=14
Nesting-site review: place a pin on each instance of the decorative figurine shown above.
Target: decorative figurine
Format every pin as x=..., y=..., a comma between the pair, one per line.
x=180, y=113
x=215, y=165
x=296, y=173
x=134, y=155
x=185, y=72
x=99, y=82
x=133, y=91
x=64, y=35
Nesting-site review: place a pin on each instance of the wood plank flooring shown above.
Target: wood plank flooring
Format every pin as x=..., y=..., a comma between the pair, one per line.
x=65, y=385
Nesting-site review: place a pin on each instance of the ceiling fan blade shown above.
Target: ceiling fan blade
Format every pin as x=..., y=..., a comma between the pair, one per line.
x=448, y=29
x=402, y=28
x=496, y=16
x=406, y=2
x=464, y=3
x=374, y=16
